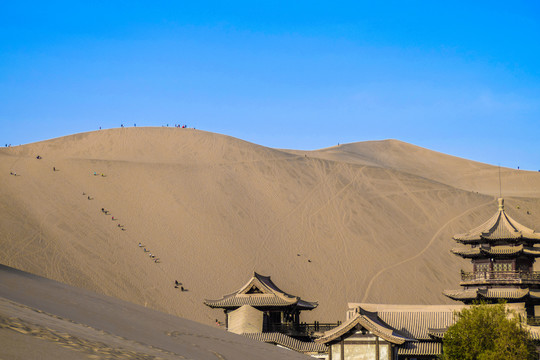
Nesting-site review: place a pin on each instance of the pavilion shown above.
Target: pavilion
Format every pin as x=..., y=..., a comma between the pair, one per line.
x=502, y=252
x=262, y=311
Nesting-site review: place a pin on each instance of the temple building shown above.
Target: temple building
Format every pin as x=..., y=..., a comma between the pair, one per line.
x=397, y=332
x=262, y=311
x=390, y=332
x=502, y=253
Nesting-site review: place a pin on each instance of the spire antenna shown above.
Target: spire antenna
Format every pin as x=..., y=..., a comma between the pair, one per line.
x=500, y=186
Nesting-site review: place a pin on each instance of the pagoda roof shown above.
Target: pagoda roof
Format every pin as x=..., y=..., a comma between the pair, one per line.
x=288, y=342
x=398, y=324
x=510, y=293
x=369, y=321
x=499, y=227
x=499, y=250
x=260, y=291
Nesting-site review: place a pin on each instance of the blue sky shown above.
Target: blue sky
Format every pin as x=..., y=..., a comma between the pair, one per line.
x=456, y=77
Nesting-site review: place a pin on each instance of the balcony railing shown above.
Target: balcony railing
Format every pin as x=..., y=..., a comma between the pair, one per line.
x=302, y=329
x=502, y=276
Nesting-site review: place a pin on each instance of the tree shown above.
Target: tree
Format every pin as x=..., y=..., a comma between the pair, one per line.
x=488, y=332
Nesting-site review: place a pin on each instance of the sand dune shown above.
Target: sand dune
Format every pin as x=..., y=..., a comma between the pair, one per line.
x=454, y=171
x=44, y=319
x=368, y=222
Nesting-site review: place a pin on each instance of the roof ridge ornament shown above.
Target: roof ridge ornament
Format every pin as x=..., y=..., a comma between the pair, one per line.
x=501, y=204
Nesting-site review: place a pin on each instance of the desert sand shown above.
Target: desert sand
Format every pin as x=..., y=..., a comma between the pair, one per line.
x=364, y=222
x=45, y=319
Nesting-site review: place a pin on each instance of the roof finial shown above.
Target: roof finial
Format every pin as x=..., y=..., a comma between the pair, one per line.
x=501, y=204
x=500, y=184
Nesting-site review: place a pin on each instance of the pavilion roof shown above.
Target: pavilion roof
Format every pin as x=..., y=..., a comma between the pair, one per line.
x=260, y=291
x=499, y=227
x=509, y=293
x=498, y=250
x=420, y=349
x=288, y=342
x=397, y=323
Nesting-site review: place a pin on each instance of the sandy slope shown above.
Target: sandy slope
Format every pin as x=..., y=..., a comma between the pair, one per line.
x=44, y=319
x=457, y=172
x=367, y=222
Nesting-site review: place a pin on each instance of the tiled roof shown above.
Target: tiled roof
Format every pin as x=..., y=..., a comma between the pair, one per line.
x=375, y=324
x=499, y=227
x=492, y=293
x=420, y=348
x=258, y=300
x=417, y=324
x=268, y=295
x=289, y=342
x=534, y=332
x=503, y=293
x=500, y=250
x=461, y=294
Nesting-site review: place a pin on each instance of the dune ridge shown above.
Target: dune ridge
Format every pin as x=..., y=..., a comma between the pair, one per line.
x=368, y=222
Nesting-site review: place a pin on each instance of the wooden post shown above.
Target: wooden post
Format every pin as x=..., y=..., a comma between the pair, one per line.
x=377, y=356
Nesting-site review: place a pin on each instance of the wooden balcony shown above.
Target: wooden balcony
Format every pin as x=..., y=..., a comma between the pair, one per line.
x=302, y=329
x=500, y=277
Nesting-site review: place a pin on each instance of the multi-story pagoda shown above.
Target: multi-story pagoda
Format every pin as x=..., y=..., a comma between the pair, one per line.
x=502, y=252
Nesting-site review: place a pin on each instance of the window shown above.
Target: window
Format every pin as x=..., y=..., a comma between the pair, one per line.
x=505, y=266
x=482, y=267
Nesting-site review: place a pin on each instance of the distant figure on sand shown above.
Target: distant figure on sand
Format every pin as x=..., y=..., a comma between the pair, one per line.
x=140, y=245
x=53, y=168
x=38, y=157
